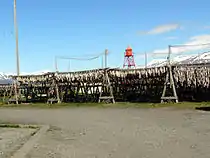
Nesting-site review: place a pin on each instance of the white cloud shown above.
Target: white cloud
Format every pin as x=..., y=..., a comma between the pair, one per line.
x=195, y=40
x=26, y=73
x=206, y=27
x=171, y=38
x=160, y=51
x=162, y=29
x=199, y=39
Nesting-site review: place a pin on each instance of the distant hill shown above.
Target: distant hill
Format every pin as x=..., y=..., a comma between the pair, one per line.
x=182, y=59
x=4, y=79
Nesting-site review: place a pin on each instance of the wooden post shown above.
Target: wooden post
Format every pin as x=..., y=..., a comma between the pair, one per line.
x=169, y=80
x=57, y=93
x=145, y=59
x=106, y=53
x=106, y=84
x=56, y=67
x=17, y=51
x=16, y=94
x=69, y=66
x=57, y=90
x=102, y=62
x=16, y=32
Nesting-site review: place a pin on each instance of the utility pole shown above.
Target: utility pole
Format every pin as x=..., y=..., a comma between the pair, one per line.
x=16, y=32
x=102, y=62
x=145, y=59
x=69, y=66
x=106, y=53
x=56, y=64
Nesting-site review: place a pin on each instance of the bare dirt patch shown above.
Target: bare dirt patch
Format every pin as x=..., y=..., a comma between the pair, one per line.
x=117, y=133
x=11, y=139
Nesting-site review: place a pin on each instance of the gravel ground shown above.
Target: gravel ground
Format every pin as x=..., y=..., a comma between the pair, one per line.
x=117, y=133
x=11, y=139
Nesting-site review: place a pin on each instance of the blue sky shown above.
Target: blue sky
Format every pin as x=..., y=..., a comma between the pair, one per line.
x=78, y=28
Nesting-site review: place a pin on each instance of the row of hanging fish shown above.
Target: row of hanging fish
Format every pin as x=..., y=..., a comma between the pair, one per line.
x=182, y=75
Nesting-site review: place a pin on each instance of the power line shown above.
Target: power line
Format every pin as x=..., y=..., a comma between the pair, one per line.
x=74, y=58
x=190, y=45
x=105, y=60
x=184, y=45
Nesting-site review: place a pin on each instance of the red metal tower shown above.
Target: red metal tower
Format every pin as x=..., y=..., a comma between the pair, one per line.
x=129, y=58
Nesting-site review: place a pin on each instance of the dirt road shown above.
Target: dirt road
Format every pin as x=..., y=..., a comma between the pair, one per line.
x=117, y=133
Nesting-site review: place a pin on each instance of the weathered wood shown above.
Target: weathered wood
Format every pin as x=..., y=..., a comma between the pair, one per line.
x=135, y=85
x=169, y=81
x=52, y=100
x=169, y=98
x=106, y=89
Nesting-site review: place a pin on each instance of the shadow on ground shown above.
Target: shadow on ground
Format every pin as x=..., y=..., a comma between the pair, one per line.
x=203, y=108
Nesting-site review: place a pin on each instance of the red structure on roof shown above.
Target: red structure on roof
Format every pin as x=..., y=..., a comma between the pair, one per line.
x=129, y=58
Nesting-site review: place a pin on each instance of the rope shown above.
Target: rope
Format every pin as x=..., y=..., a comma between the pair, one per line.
x=73, y=58
x=190, y=45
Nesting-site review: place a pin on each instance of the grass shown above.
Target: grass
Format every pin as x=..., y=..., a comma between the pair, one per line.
x=182, y=105
x=10, y=125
